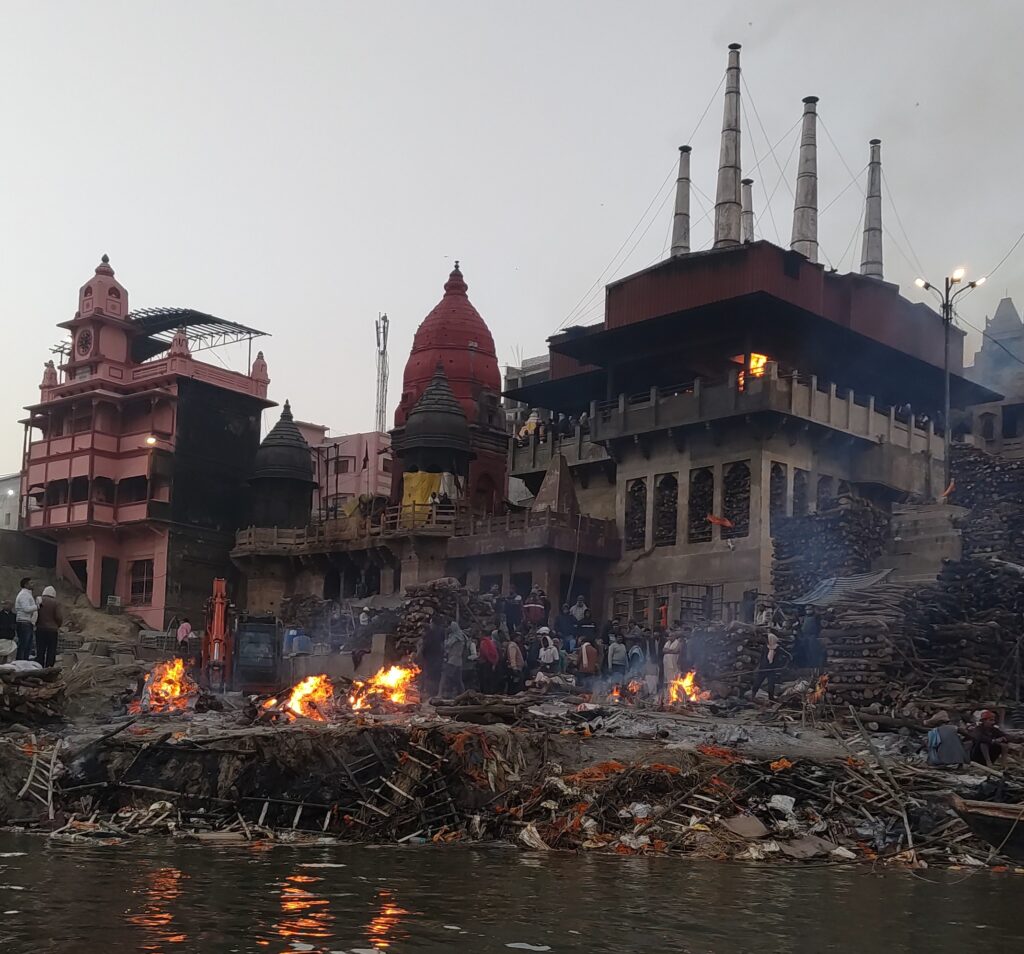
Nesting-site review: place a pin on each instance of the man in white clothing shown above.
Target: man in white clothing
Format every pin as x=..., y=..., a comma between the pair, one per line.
x=25, y=611
x=579, y=609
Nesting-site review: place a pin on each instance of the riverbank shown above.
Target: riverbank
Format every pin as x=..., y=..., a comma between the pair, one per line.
x=667, y=783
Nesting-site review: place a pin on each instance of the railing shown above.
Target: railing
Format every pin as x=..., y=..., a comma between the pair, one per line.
x=453, y=520
x=792, y=393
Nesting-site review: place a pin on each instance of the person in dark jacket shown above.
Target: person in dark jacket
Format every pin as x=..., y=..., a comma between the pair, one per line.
x=432, y=656
x=773, y=661
x=565, y=628
x=8, y=629
x=47, y=627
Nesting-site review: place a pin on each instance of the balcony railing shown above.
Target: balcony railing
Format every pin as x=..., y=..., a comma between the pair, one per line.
x=792, y=394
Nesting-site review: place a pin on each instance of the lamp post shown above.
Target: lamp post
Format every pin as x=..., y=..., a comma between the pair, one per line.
x=946, y=298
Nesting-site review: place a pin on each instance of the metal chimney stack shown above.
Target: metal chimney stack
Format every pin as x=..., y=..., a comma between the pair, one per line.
x=727, y=198
x=871, y=254
x=747, y=215
x=805, y=213
x=681, y=222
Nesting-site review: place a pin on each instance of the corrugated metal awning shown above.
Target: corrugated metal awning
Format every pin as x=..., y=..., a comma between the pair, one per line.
x=837, y=587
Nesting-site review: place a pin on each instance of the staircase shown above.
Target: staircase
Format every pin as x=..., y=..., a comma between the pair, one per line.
x=921, y=536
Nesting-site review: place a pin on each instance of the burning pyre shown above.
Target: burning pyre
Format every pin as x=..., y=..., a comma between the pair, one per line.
x=685, y=689
x=393, y=686
x=168, y=688
x=314, y=697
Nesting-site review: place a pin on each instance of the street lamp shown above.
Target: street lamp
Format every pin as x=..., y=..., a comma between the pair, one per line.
x=946, y=298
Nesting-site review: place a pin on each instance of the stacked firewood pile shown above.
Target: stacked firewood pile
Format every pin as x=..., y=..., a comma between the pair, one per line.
x=965, y=629
x=636, y=515
x=305, y=611
x=666, y=504
x=839, y=542
x=727, y=653
x=993, y=489
x=701, y=504
x=449, y=598
x=863, y=638
x=35, y=695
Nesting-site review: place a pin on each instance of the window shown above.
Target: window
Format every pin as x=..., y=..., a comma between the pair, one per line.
x=702, y=502
x=141, y=573
x=343, y=465
x=826, y=493
x=736, y=500
x=386, y=463
x=800, y=493
x=666, y=508
x=636, y=514
x=776, y=494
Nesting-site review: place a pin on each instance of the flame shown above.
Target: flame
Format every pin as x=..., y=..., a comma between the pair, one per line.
x=634, y=687
x=311, y=697
x=686, y=689
x=395, y=685
x=758, y=366
x=168, y=689
x=820, y=689
x=616, y=694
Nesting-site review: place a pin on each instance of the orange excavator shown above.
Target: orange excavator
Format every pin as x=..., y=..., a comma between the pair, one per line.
x=240, y=652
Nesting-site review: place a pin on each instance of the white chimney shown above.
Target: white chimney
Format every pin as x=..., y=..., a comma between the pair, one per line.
x=805, y=213
x=727, y=198
x=871, y=254
x=681, y=222
x=747, y=215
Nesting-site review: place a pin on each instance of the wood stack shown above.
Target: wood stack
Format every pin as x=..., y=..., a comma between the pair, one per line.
x=636, y=514
x=701, y=504
x=666, y=503
x=35, y=695
x=727, y=652
x=965, y=628
x=447, y=597
x=993, y=489
x=841, y=541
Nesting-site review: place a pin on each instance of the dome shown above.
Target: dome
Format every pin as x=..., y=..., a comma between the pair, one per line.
x=438, y=420
x=284, y=452
x=454, y=335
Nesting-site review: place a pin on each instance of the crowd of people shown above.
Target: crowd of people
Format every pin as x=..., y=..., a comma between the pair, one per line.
x=565, y=425
x=29, y=626
x=528, y=644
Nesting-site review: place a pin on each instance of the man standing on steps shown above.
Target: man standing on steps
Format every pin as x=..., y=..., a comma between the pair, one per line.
x=25, y=612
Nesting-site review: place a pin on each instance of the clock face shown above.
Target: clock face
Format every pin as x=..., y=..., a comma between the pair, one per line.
x=84, y=344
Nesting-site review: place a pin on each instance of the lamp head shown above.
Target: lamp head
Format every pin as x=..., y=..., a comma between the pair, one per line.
x=958, y=274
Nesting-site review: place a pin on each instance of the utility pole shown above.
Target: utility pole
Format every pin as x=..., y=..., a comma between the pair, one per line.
x=946, y=298
x=382, y=373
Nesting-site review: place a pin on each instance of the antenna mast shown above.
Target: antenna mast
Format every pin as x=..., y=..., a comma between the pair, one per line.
x=382, y=371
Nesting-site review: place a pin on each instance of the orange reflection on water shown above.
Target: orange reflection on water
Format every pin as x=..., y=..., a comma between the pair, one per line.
x=382, y=928
x=306, y=915
x=156, y=917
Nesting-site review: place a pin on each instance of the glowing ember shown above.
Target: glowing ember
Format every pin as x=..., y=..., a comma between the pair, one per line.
x=634, y=687
x=395, y=685
x=311, y=698
x=685, y=689
x=168, y=689
x=820, y=689
x=615, y=695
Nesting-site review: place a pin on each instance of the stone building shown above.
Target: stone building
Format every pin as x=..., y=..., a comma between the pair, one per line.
x=137, y=453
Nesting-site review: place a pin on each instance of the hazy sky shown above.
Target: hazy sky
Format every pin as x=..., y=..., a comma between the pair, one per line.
x=301, y=166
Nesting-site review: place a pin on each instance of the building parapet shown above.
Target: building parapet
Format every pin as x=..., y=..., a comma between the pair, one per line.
x=468, y=533
x=791, y=394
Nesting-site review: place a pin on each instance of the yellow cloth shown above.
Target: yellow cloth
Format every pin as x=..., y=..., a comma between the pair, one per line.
x=416, y=491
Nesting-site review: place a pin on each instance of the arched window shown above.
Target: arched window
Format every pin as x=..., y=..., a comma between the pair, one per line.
x=776, y=494
x=666, y=510
x=736, y=500
x=800, y=493
x=636, y=514
x=701, y=503
x=826, y=493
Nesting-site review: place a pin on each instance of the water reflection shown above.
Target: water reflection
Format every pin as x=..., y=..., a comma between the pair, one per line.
x=307, y=915
x=156, y=918
x=383, y=929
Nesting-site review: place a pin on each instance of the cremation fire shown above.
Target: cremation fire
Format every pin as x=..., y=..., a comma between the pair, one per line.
x=168, y=689
x=686, y=689
x=818, y=693
x=311, y=698
x=758, y=367
x=394, y=685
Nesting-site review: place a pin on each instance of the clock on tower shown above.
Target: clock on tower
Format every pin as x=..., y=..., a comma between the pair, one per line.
x=83, y=342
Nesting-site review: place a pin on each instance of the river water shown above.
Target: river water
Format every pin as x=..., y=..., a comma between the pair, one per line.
x=164, y=897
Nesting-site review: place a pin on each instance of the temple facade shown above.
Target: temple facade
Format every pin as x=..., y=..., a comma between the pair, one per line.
x=137, y=453
x=999, y=364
